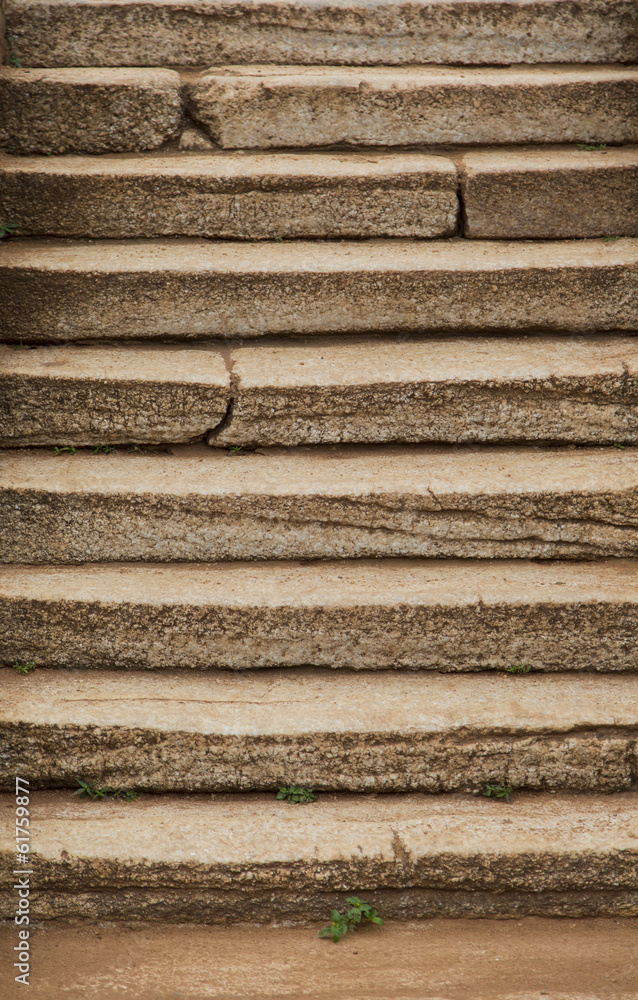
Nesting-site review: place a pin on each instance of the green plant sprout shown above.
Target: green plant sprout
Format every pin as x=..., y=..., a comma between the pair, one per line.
x=94, y=792
x=102, y=449
x=235, y=449
x=67, y=448
x=24, y=668
x=617, y=444
x=609, y=239
x=7, y=229
x=592, y=147
x=14, y=59
x=518, y=668
x=502, y=792
x=295, y=793
x=358, y=912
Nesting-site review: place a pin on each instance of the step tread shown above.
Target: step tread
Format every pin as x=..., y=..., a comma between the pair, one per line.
x=376, y=390
x=58, y=32
x=490, y=959
x=448, y=615
x=55, y=290
x=200, y=504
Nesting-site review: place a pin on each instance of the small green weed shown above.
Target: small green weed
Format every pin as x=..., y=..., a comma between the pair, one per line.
x=294, y=793
x=7, y=229
x=102, y=449
x=518, y=668
x=94, y=792
x=618, y=445
x=594, y=147
x=503, y=792
x=609, y=239
x=24, y=668
x=278, y=239
x=358, y=912
x=235, y=449
x=14, y=59
x=64, y=449
x=20, y=346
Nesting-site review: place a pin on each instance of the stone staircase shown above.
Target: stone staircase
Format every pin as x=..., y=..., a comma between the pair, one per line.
x=318, y=398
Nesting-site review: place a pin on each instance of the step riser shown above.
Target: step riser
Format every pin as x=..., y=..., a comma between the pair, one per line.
x=38, y=527
x=399, y=201
x=269, y=109
x=122, y=757
x=213, y=906
x=184, y=34
x=237, y=290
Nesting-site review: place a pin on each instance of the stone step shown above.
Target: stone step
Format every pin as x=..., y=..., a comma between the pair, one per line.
x=105, y=33
x=530, y=957
x=321, y=729
x=266, y=106
x=540, y=194
x=61, y=291
x=440, y=614
x=539, y=388
x=88, y=110
x=507, y=193
x=250, y=857
x=203, y=505
x=246, y=197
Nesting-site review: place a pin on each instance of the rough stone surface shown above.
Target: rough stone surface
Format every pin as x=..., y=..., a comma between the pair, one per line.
x=258, y=196
x=87, y=110
x=459, y=389
x=107, y=33
x=540, y=194
x=588, y=959
x=195, y=288
x=326, y=730
x=444, y=615
x=265, y=106
x=108, y=395
x=202, y=505
x=242, y=857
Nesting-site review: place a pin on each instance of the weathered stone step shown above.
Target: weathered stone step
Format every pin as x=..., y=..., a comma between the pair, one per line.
x=540, y=194
x=247, y=197
x=106, y=33
x=526, y=193
x=97, y=395
x=60, y=291
x=266, y=106
x=88, y=110
x=439, y=614
x=250, y=857
x=528, y=957
x=203, y=505
x=539, y=388
x=320, y=729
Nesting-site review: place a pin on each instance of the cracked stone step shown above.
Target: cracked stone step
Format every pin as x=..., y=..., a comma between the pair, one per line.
x=203, y=505
x=246, y=197
x=267, y=106
x=490, y=959
x=567, y=193
x=243, y=857
x=106, y=33
x=458, y=389
x=92, y=395
x=61, y=291
x=87, y=110
x=539, y=388
x=440, y=614
x=338, y=731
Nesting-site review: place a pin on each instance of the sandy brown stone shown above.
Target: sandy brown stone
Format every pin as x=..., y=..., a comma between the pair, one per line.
x=195, y=288
x=564, y=193
x=108, y=395
x=588, y=959
x=266, y=106
x=165, y=32
x=173, y=853
x=257, y=196
x=325, y=730
x=458, y=389
x=202, y=505
x=439, y=614
x=87, y=110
